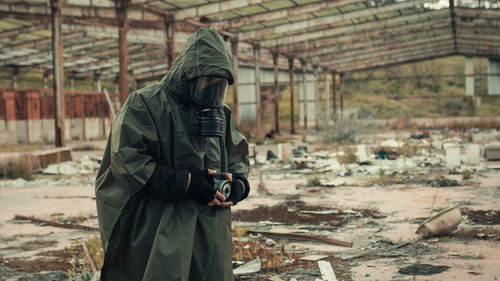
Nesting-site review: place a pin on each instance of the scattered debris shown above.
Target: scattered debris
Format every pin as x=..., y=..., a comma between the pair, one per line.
x=53, y=156
x=482, y=217
x=302, y=236
x=313, y=257
x=56, y=224
x=326, y=270
x=87, y=165
x=252, y=266
x=299, y=212
x=440, y=224
x=423, y=269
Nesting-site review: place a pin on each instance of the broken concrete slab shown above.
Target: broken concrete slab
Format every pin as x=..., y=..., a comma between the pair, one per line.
x=326, y=270
x=52, y=156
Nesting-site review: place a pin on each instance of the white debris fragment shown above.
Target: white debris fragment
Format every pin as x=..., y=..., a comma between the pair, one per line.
x=63, y=168
x=452, y=156
x=270, y=242
x=362, y=154
x=392, y=143
x=252, y=266
x=313, y=257
x=322, y=212
x=326, y=270
x=332, y=183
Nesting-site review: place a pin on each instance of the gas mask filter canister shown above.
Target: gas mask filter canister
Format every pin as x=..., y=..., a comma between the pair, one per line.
x=208, y=95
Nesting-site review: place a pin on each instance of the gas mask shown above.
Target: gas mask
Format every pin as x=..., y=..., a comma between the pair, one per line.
x=208, y=95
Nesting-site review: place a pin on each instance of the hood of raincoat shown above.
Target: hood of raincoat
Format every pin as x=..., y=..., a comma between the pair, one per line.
x=205, y=54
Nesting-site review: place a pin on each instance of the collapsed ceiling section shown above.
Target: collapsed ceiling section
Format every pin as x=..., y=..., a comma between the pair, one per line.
x=336, y=36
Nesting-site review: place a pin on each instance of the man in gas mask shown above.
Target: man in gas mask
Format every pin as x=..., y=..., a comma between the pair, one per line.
x=161, y=215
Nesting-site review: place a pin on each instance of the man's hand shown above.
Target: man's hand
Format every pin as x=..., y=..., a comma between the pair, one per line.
x=237, y=191
x=219, y=198
x=200, y=188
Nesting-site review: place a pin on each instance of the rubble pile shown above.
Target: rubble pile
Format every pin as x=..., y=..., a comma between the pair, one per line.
x=414, y=161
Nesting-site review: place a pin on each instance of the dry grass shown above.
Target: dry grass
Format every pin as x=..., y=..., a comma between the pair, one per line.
x=271, y=257
x=17, y=167
x=349, y=156
x=81, y=269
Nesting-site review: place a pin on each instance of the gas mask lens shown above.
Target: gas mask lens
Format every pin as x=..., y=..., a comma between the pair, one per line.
x=209, y=92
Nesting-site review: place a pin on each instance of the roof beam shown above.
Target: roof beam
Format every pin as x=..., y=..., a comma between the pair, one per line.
x=325, y=20
x=281, y=13
x=139, y=18
x=409, y=47
x=372, y=38
x=214, y=8
x=46, y=55
x=366, y=50
x=328, y=32
x=395, y=60
x=453, y=23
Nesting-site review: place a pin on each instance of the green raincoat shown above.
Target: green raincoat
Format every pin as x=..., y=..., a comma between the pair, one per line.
x=149, y=228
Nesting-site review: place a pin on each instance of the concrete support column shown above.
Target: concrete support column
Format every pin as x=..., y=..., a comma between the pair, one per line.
x=469, y=76
x=45, y=80
x=276, y=93
x=121, y=7
x=316, y=98
x=493, y=77
x=58, y=80
x=72, y=83
x=15, y=72
x=97, y=82
x=260, y=129
x=236, y=103
x=341, y=94
x=169, y=29
x=292, y=109
x=334, y=89
x=326, y=94
x=304, y=92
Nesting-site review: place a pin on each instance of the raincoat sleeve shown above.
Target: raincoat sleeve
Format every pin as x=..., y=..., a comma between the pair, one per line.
x=134, y=145
x=237, y=148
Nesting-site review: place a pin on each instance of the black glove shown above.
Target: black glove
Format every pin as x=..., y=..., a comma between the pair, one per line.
x=237, y=190
x=240, y=189
x=200, y=188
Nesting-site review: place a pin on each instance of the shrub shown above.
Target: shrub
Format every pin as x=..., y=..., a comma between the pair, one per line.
x=17, y=167
x=344, y=129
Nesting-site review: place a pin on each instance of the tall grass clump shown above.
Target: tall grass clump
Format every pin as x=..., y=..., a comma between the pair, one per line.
x=17, y=167
x=345, y=129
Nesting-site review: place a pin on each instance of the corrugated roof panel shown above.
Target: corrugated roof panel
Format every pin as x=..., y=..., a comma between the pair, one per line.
x=327, y=12
x=275, y=22
x=223, y=16
x=352, y=7
x=301, y=17
x=43, y=32
x=388, y=15
x=254, y=26
x=364, y=19
x=18, y=21
x=250, y=10
x=162, y=5
x=5, y=25
x=300, y=2
x=28, y=36
x=278, y=4
x=188, y=3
